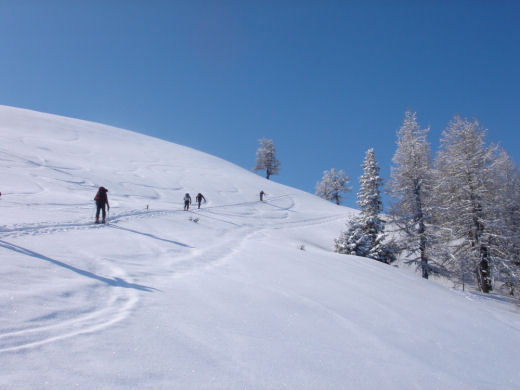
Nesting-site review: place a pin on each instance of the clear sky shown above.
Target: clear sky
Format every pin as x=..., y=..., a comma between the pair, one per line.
x=326, y=80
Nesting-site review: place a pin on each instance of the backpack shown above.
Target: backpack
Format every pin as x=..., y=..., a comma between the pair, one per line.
x=101, y=195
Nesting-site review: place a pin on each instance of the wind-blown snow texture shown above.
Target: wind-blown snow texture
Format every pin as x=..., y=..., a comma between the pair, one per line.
x=156, y=300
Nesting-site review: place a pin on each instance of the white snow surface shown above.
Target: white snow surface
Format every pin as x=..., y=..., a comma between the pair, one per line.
x=158, y=300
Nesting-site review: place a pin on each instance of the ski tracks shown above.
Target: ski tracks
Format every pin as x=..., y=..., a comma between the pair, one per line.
x=121, y=299
x=59, y=227
x=117, y=305
x=213, y=255
x=18, y=230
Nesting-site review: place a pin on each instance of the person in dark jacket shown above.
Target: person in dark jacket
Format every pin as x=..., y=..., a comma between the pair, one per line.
x=187, y=201
x=262, y=193
x=101, y=199
x=199, y=199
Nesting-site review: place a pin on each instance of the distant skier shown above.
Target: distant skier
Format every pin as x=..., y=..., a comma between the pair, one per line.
x=101, y=199
x=199, y=199
x=187, y=201
x=262, y=193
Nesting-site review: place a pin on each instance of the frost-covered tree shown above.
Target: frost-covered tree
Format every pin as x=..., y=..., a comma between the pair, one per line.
x=505, y=226
x=332, y=185
x=365, y=235
x=411, y=186
x=266, y=158
x=464, y=190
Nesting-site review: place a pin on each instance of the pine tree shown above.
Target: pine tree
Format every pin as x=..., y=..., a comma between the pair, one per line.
x=365, y=235
x=464, y=188
x=266, y=158
x=411, y=186
x=332, y=185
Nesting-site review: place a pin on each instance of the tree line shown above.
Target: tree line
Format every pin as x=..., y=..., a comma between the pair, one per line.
x=455, y=214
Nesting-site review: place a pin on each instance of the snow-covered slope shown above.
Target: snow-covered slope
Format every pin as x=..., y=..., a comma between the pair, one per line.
x=218, y=298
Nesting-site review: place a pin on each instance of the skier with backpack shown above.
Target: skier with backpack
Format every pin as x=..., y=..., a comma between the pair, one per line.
x=199, y=199
x=101, y=199
x=187, y=201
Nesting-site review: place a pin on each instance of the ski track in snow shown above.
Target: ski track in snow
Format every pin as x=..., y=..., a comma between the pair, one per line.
x=120, y=301
x=118, y=305
x=209, y=212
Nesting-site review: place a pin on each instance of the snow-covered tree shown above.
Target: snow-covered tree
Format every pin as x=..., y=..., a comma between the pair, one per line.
x=411, y=186
x=365, y=235
x=266, y=158
x=332, y=185
x=505, y=227
x=354, y=240
x=464, y=190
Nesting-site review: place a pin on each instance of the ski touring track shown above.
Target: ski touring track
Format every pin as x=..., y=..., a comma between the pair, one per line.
x=121, y=301
x=116, y=307
x=50, y=228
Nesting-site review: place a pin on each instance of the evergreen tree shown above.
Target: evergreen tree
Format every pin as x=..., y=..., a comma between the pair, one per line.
x=332, y=185
x=464, y=189
x=365, y=235
x=266, y=158
x=411, y=186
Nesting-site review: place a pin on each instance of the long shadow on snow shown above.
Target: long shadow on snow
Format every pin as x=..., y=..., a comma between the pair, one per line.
x=116, y=282
x=150, y=235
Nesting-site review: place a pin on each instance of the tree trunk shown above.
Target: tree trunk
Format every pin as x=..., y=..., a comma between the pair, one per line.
x=424, y=266
x=483, y=271
x=422, y=247
x=421, y=231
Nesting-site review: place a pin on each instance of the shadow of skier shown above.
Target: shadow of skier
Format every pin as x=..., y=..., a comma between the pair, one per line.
x=150, y=235
x=115, y=282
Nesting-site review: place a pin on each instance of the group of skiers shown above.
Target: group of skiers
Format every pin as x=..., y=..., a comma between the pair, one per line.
x=102, y=204
x=187, y=200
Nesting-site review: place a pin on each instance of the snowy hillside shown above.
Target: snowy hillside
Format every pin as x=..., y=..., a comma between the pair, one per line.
x=218, y=298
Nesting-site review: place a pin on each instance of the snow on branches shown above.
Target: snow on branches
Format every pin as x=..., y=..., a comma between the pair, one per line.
x=332, y=185
x=266, y=158
x=365, y=235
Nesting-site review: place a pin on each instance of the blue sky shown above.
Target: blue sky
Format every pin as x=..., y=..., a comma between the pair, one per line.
x=326, y=80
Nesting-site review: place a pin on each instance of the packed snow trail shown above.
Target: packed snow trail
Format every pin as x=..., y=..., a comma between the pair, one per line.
x=239, y=294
